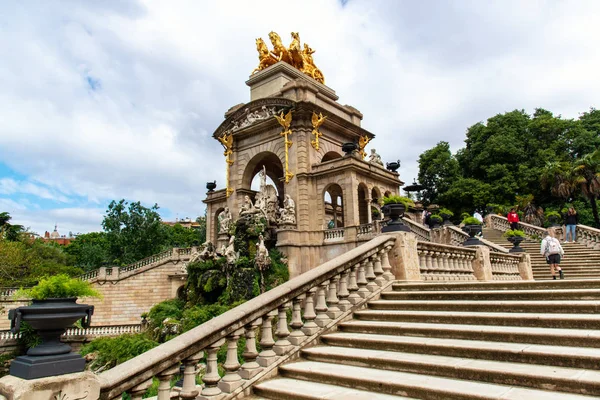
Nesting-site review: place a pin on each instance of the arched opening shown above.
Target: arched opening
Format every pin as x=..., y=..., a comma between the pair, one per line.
x=387, y=193
x=375, y=195
x=375, y=206
x=331, y=155
x=182, y=293
x=273, y=169
x=363, y=204
x=334, y=207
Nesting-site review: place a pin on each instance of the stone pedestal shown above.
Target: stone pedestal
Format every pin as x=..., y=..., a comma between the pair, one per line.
x=525, y=267
x=82, y=385
x=404, y=257
x=482, y=266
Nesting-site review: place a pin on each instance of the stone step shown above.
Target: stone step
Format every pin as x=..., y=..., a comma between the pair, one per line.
x=296, y=389
x=518, y=285
x=515, y=306
x=524, y=294
x=414, y=385
x=560, y=356
x=571, y=380
x=568, y=321
x=517, y=334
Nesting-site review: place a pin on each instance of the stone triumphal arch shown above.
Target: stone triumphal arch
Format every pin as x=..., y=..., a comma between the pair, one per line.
x=292, y=130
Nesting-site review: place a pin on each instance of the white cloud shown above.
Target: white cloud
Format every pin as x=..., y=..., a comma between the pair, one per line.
x=165, y=72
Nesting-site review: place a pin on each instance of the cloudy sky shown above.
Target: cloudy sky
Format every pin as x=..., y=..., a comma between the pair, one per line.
x=112, y=99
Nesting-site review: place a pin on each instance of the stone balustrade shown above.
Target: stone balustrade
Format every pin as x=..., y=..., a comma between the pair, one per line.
x=588, y=236
x=505, y=267
x=457, y=235
x=501, y=223
x=335, y=234
x=7, y=292
x=439, y=262
x=91, y=331
x=318, y=299
x=422, y=232
x=364, y=229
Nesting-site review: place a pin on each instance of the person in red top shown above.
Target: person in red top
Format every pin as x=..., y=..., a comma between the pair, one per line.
x=513, y=219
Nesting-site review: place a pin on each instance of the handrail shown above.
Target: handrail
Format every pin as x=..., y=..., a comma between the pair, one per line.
x=418, y=229
x=442, y=262
x=210, y=336
x=501, y=223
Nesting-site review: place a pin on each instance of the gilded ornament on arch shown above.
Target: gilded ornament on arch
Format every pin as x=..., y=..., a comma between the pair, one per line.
x=362, y=143
x=227, y=142
x=298, y=56
x=285, y=121
x=317, y=121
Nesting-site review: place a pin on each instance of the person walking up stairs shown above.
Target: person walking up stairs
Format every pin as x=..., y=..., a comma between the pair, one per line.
x=552, y=251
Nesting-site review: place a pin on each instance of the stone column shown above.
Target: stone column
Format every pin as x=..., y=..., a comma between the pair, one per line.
x=525, y=267
x=297, y=336
x=404, y=258
x=482, y=266
x=267, y=356
x=232, y=380
x=250, y=368
x=212, y=377
x=282, y=345
x=321, y=306
x=188, y=389
x=310, y=327
x=164, y=382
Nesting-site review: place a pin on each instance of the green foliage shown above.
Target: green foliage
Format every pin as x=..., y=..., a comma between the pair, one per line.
x=206, y=281
x=133, y=232
x=90, y=250
x=197, y=315
x=165, y=309
x=464, y=215
x=109, y=352
x=28, y=337
x=514, y=232
x=436, y=218
x=471, y=221
x=553, y=215
x=438, y=168
x=59, y=286
x=278, y=272
x=395, y=199
x=178, y=236
x=445, y=212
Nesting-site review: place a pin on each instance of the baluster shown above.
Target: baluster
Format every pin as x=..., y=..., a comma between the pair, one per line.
x=370, y=275
x=250, y=368
x=363, y=292
x=164, y=382
x=332, y=300
x=297, y=336
x=267, y=356
x=321, y=306
x=378, y=270
x=353, y=286
x=428, y=259
x=310, y=327
x=385, y=263
x=282, y=345
x=232, y=380
x=344, y=304
x=138, y=391
x=189, y=389
x=211, y=378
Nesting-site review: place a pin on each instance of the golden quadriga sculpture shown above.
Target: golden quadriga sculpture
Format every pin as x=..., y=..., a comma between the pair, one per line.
x=297, y=56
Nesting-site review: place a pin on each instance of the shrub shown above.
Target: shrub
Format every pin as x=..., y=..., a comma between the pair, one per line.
x=109, y=352
x=553, y=215
x=59, y=286
x=395, y=199
x=514, y=233
x=445, y=211
x=471, y=221
x=436, y=218
x=464, y=215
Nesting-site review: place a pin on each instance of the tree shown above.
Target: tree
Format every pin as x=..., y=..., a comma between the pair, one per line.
x=437, y=170
x=184, y=237
x=558, y=177
x=90, y=250
x=587, y=172
x=466, y=195
x=9, y=231
x=133, y=233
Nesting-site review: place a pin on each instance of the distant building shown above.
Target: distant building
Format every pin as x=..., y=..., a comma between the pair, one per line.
x=57, y=238
x=185, y=222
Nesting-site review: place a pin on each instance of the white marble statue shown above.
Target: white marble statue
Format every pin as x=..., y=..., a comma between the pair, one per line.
x=375, y=158
x=225, y=220
x=287, y=215
x=247, y=207
x=262, y=259
x=230, y=254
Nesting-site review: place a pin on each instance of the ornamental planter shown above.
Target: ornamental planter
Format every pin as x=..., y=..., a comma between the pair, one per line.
x=446, y=218
x=393, y=166
x=395, y=212
x=211, y=186
x=472, y=230
x=50, y=318
x=349, y=148
x=516, y=241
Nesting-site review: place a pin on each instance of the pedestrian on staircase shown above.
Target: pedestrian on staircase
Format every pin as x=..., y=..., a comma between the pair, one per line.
x=513, y=219
x=571, y=222
x=553, y=251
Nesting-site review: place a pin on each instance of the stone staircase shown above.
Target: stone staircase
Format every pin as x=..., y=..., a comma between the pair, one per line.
x=580, y=262
x=497, y=340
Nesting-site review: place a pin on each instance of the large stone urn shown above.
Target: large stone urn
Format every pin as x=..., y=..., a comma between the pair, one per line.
x=472, y=230
x=395, y=212
x=516, y=241
x=50, y=318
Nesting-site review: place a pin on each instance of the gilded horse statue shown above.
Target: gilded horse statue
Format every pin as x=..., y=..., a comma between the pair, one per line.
x=265, y=58
x=298, y=57
x=279, y=50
